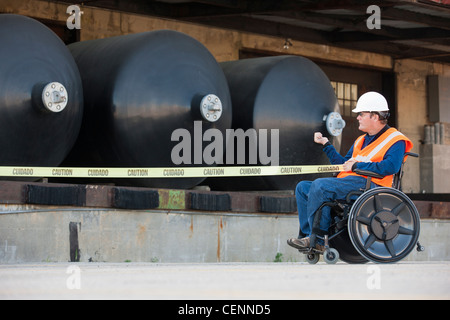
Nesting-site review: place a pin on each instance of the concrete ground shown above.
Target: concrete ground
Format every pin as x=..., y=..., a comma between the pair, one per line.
x=223, y=281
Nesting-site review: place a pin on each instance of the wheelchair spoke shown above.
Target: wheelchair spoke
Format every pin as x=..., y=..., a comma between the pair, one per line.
x=403, y=230
x=370, y=240
x=377, y=203
x=398, y=208
x=363, y=220
x=390, y=246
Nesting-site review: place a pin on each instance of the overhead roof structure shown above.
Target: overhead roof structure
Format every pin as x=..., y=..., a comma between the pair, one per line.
x=415, y=29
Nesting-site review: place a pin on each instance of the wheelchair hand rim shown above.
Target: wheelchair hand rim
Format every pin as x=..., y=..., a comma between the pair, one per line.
x=384, y=225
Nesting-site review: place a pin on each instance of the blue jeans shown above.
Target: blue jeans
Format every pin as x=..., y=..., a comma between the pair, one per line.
x=311, y=194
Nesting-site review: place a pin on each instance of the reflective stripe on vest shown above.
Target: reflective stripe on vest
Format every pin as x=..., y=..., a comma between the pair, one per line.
x=378, y=148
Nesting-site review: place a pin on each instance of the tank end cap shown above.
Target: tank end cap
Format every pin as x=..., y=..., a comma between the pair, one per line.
x=335, y=124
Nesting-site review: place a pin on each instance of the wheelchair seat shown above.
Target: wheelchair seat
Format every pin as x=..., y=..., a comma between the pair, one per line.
x=381, y=225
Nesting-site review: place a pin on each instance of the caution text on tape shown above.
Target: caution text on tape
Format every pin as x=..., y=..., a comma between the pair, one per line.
x=174, y=172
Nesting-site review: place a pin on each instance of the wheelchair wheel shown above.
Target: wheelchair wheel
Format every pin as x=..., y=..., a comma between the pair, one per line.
x=384, y=225
x=312, y=258
x=331, y=256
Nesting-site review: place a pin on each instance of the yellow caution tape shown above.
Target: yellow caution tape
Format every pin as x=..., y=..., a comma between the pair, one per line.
x=175, y=172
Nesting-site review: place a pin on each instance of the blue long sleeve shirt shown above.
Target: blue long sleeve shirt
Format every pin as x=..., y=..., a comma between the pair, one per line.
x=390, y=164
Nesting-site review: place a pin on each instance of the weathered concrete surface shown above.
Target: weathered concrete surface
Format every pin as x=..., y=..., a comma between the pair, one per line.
x=46, y=234
x=225, y=281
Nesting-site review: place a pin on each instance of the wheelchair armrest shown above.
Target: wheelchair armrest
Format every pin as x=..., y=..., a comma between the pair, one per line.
x=412, y=154
x=368, y=173
x=376, y=175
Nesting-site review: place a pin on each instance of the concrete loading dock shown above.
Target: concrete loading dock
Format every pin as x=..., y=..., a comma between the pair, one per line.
x=60, y=235
x=183, y=226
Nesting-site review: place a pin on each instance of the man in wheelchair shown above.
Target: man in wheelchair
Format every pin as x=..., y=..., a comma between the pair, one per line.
x=381, y=150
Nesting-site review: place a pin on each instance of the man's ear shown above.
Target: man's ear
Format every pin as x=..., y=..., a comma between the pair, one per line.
x=372, y=114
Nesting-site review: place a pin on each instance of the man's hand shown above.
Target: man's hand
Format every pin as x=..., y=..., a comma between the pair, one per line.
x=318, y=138
x=349, y=164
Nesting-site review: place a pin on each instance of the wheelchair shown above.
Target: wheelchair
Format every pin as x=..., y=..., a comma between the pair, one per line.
x=381, y=225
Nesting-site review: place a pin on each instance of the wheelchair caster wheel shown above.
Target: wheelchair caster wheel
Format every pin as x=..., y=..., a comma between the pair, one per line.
x=331, y=256
x=313, y=258
x=420, y=247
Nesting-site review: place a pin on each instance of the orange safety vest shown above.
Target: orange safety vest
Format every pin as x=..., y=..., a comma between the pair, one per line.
x=375, y=152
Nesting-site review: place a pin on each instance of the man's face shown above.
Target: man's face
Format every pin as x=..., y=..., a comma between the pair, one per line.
x=367, y=121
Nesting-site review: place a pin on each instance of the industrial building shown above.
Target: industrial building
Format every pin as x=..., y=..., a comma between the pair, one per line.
x=399, y=48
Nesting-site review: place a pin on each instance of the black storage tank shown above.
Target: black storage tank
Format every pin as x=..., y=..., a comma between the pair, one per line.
x=139, y=89
x=41, y=98
x=286, y=93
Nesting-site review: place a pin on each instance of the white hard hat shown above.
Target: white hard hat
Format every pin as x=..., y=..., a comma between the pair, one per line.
x=371, y=102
